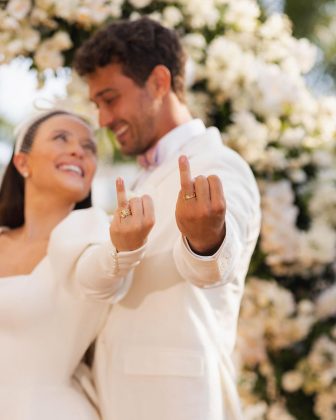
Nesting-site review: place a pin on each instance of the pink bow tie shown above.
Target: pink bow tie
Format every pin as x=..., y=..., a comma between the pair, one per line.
x=149, y=159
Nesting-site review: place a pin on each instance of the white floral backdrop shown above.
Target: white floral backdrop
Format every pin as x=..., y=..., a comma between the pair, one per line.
x=246, y=76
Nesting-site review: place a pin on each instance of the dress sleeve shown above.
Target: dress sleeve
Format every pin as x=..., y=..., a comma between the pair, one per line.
x=81, y=253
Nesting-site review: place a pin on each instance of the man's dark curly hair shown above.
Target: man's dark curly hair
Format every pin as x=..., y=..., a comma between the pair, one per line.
x=138, y=46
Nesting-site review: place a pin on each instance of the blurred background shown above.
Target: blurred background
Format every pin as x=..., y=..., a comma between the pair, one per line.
x=264, y=73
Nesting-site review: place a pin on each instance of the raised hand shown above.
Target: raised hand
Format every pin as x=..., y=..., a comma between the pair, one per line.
x=200, y=210
x=132, y=220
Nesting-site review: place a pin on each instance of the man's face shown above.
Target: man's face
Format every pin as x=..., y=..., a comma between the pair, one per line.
x=127, y=109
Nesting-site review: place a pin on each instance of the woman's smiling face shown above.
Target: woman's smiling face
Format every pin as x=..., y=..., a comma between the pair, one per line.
x=63, y=157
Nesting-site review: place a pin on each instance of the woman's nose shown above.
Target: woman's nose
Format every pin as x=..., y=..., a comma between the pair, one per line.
x=76, y=149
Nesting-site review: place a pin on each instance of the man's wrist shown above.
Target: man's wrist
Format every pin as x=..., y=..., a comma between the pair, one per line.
x=207, y=249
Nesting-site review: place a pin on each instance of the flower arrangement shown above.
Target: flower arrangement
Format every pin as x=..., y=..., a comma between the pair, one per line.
x=246, y=76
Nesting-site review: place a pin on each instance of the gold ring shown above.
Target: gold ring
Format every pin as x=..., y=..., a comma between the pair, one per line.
x=190, y=196
x=125, y=212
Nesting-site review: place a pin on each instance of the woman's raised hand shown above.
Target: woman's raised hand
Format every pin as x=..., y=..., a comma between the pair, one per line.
x=132, y=221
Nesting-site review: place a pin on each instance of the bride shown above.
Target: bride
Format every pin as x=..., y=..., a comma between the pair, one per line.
x=61, y=264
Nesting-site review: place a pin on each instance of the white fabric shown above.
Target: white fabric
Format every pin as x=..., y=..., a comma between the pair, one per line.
x=177, y=138
x=170, y=144
x=47, y=322
x=165, y=352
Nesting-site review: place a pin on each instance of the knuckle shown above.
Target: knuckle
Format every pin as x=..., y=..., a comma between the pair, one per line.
x=219, y=208
x=134, y=200
x=137, y=226
x=148, y=226
x=150, y=221
x=193, y=216
x=214, y=178
x=200, y=179
x=204, y=213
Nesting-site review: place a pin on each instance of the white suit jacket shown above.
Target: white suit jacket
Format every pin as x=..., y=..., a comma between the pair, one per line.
x=165, y=352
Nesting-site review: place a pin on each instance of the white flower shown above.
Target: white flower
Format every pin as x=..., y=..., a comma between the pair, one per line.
x=278, y=411
x=292, y=137
x=45, y=4
x=30, y=38
x=77, y=100
x=304, y=52
x=14, y=47
x=326, y=303
x=323, y=202
x=9, y=23
x=200, y=105
x=243, y=15
x=18, y=8
x=114, y=8
x=66, y=9
x=325, y=404
x=247, y=135
x=298, y=176
x=322, y=361
x=272, y=159
x=139, y=4
x=195, y=46
x=317, y=246
x=306, y=307
x=47, y=57
x=61, y=41
x=292, y=381
x=255, y=411
x=275, y=26
x=279, y=237
x=172, y=16
x=228, y=68
x=276, y=92
x=201, y=13
x=251, y=342
x=40, y=16
x=322, y=158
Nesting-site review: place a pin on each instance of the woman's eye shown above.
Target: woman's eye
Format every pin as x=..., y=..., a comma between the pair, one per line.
x=60, y=136
x=91, y=147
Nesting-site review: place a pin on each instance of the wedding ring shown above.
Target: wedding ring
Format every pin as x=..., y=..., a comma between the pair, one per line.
x=189, y=196
x=125, y=212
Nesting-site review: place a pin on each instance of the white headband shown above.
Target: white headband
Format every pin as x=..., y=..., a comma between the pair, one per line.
x=22, y=129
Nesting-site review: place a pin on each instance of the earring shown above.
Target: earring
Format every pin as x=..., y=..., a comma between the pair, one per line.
x=25, y=174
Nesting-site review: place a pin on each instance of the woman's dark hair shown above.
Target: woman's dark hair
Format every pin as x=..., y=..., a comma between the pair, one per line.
x=12, y=186
x=138, y=46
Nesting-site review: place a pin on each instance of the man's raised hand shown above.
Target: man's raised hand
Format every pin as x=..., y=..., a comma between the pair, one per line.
x=200, y=210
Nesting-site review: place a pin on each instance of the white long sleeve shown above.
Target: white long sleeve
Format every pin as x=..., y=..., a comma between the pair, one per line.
x=105, y=274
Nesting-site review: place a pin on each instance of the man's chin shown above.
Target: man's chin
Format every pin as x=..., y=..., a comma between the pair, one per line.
x=131, y=152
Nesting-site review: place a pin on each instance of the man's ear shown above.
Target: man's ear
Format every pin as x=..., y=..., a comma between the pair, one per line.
x=20, y=161
x=159, y=81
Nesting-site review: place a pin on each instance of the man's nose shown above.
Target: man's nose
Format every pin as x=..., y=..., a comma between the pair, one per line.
x=106, y=118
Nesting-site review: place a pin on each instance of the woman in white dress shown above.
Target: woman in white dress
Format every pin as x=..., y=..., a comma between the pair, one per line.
x=61, y=264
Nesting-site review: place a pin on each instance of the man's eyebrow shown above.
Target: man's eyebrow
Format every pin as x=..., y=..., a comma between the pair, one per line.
x=101, y=93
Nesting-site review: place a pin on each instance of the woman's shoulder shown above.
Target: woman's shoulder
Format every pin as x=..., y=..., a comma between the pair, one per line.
x=75, y=233
x=88, y=225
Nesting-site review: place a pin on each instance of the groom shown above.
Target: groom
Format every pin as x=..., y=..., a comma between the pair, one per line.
x=165, y=352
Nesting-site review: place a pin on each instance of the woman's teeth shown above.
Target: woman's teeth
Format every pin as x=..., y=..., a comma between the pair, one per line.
x=72, y=168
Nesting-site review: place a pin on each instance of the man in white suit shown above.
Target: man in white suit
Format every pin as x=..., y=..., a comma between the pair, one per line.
x=165, y=352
